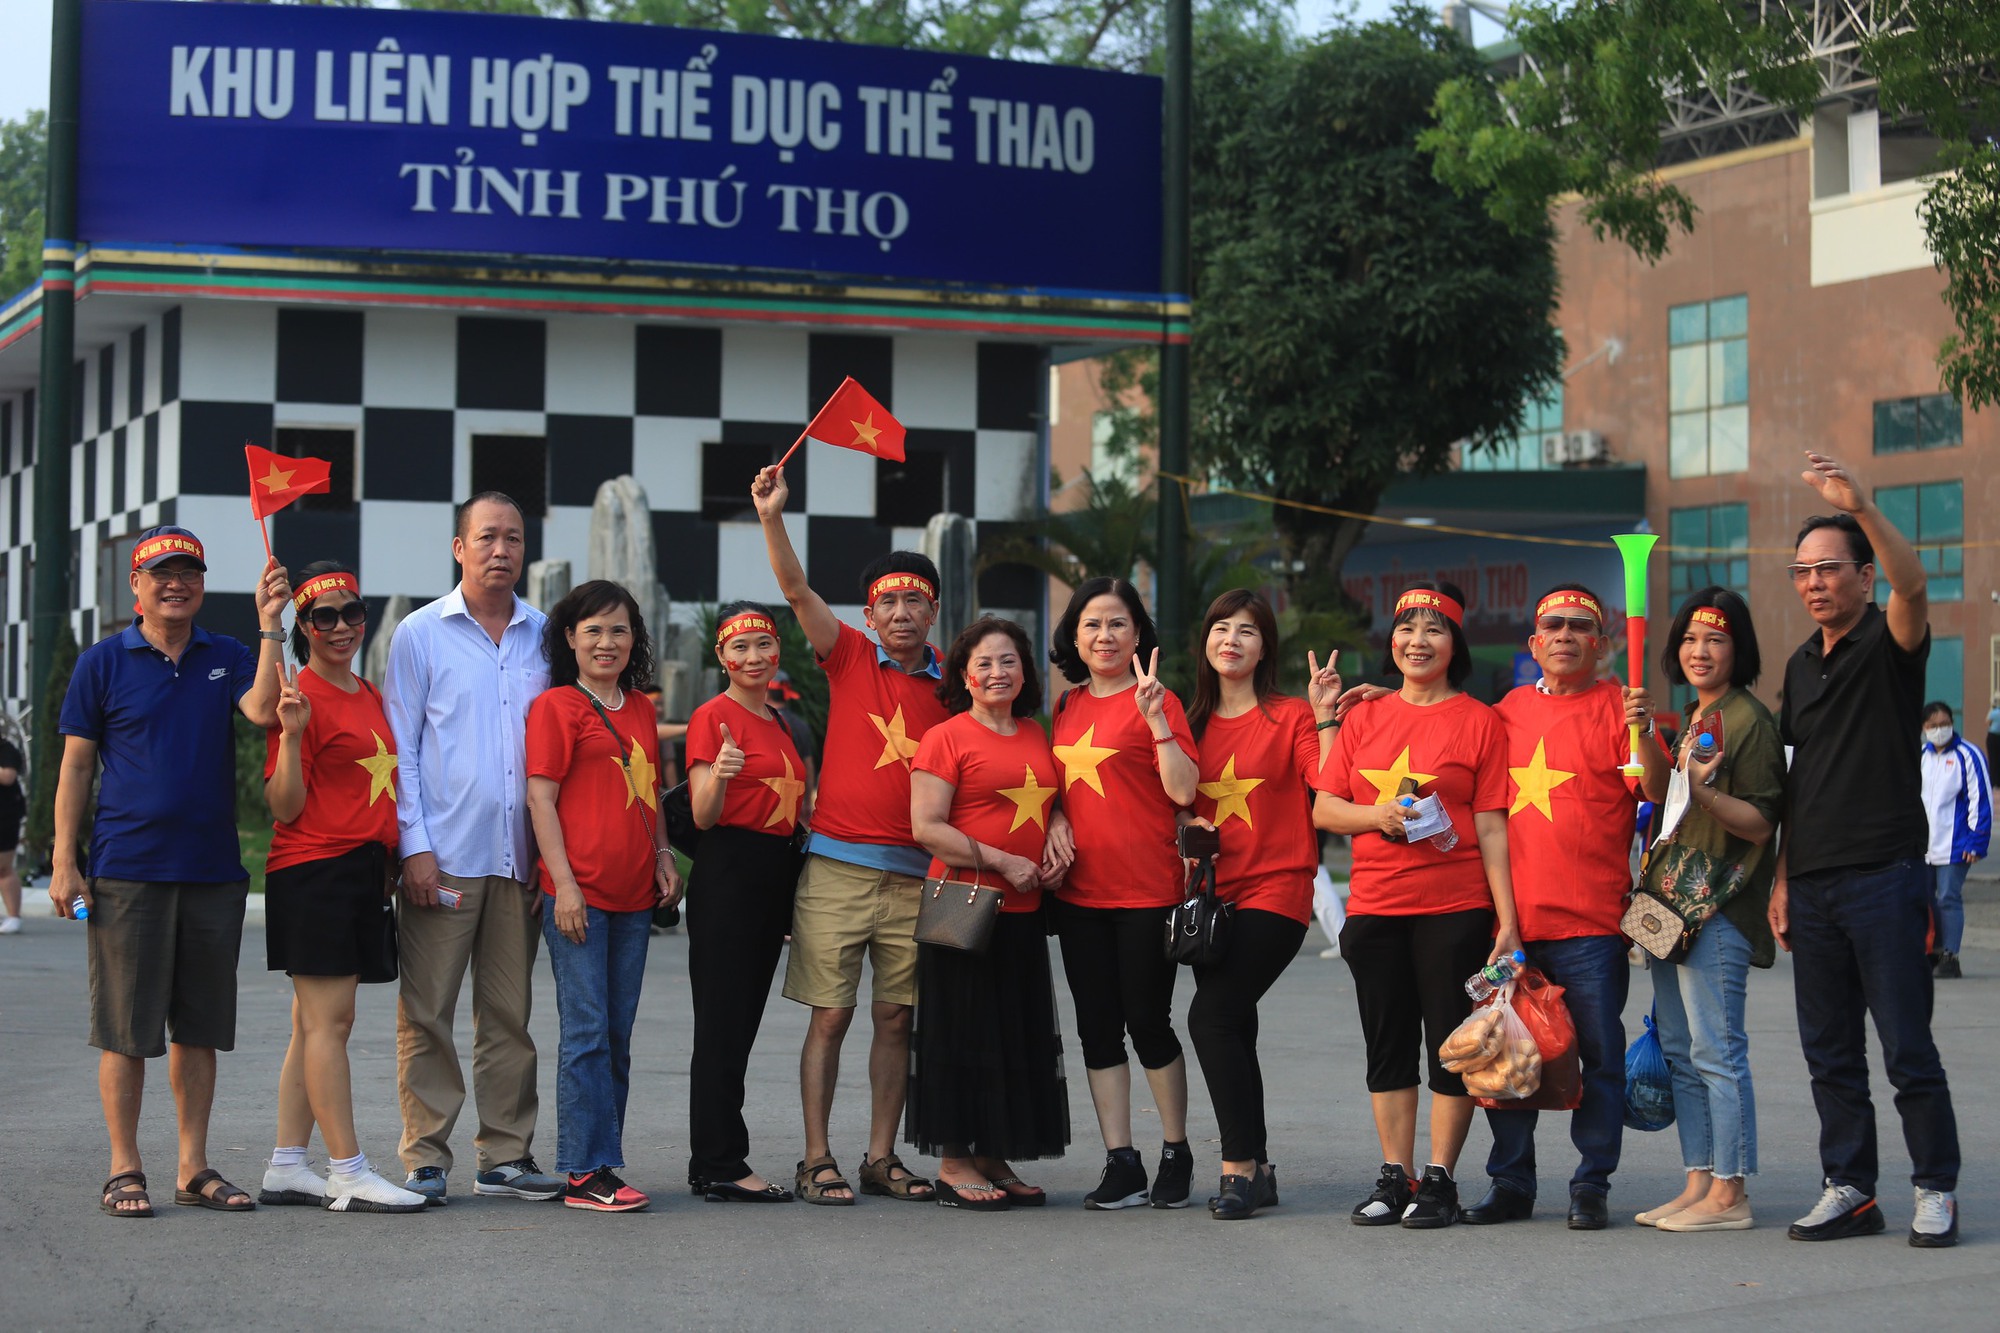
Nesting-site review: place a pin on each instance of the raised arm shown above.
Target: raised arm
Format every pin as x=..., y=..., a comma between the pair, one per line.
x=769, y=493
x=1909, y=606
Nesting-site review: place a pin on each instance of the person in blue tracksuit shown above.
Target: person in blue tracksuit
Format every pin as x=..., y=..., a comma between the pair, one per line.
x=1958, y=800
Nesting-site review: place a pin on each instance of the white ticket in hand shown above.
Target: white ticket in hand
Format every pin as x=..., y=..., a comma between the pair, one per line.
x=1430, y=819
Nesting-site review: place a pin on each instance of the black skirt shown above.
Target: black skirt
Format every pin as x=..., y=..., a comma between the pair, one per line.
x=986, y=1062
x=329, y=918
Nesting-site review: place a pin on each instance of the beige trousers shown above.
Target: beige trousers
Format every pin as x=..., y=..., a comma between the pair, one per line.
x=494, y=929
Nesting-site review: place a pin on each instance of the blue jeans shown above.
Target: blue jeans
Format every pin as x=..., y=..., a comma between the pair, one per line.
x=1700, y=1020
x=1858, y=949
x=1595, y=978
x=1948, y=889
x=597, y=997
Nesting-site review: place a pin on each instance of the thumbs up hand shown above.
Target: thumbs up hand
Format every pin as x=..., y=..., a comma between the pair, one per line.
x=729, y=759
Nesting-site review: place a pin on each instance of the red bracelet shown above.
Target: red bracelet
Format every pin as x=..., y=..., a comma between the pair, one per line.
x=1162, y=740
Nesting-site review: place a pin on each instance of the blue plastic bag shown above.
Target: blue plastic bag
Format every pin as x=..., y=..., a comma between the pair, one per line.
x=1649, y=1085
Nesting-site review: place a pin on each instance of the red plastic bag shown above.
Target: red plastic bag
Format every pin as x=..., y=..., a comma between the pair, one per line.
x=1539, y=1004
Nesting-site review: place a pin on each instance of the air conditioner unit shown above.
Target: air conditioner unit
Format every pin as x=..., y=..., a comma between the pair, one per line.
x=1576, y=446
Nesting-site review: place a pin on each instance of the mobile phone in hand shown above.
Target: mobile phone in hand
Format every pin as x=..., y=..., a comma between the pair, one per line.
x=449, y=897
x=1196, y=841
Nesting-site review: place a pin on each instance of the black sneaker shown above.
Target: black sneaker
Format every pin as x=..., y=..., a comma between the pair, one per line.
x=1123, y=1184
x=1842, y=1211
x=1436, y=1204
x=1385, y=1204
x=1175, y=1178
x=1947, y=968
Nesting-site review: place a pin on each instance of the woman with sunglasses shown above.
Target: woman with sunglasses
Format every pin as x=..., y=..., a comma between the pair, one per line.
x=330, y=780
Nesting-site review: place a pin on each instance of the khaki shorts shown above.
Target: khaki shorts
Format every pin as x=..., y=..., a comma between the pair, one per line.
x=841, y=911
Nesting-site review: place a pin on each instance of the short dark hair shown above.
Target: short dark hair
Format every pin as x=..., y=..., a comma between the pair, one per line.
x=1585, y=589
x=301, y=645
x=1940, y=706
x=464, y=514
x=584, y=601
x=1460, y=666
x=1062, y=642
x=899, y=562
x=1749, y=662
x=1858, y=545
x=951, y=689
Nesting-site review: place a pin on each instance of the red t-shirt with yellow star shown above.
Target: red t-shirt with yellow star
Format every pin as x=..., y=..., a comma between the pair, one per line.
x=875, y=717
x=765, y=797
x=348, y=759
x=1124, y=819
x=1569, y=823
x=1256, y=772
x=606, y=839
x=1005, y=787
x=1456, y=750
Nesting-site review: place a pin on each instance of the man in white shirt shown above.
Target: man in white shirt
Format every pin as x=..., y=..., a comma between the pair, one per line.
x=462, y=672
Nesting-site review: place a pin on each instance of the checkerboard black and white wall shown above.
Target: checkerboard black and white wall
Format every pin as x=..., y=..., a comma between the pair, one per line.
x=420, y=408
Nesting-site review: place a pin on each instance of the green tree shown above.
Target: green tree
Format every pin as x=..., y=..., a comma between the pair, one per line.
x=24, y=155
x=1353, y=317
x=1585, y=117
x=1111, y=536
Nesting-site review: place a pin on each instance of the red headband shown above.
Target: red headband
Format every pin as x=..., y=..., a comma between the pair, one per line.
x=899, y=582
x=1565, y=598
x=750, y=622
x=1423, y=599
x=319, y=586
x=171, y=543
x=1710, y=616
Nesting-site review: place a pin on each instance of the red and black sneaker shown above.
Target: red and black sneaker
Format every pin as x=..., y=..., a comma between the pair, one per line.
x=602, y=1191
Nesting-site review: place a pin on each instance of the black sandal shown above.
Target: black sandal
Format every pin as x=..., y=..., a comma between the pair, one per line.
x=953, y=1196
x=114, y=1194
x=192, y=1194
x=1027, y=1196
x=722, y=1191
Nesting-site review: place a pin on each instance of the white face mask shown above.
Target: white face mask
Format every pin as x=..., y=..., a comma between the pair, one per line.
x=1937, y=735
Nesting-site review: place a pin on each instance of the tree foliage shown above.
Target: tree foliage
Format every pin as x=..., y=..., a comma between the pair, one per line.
x=24, y=155
x=1586, y=116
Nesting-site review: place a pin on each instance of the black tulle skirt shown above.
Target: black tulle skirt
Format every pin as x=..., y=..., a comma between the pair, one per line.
x=986, y=1062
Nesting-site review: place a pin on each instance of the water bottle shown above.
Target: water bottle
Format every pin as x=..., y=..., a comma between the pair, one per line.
x=1481, y=984
x=79, y=909
x=1704, y=748
x=1445, y=839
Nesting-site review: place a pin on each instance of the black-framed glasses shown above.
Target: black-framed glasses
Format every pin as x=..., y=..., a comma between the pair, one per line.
x=326, y=618
x=1826, y=569
x=186, y=578
x=1575, y=624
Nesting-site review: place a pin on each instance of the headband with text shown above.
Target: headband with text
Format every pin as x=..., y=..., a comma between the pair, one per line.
x=1563, y=599
x=750, y=622
x=319, y=586
x=172, y=543
x=1711, y=617
x=1423, y=599
x=898, y=583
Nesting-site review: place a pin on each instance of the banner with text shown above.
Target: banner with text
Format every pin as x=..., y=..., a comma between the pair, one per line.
x=304, y=126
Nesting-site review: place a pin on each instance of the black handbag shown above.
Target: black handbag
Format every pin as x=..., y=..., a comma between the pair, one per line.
x=953, y=914
x=677, y=809
x=1198, y=927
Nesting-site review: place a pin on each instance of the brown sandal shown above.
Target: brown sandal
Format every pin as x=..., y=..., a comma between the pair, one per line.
x=879, y=1177
x=195, y=1194
x=816, y=1177
x=114, y=1194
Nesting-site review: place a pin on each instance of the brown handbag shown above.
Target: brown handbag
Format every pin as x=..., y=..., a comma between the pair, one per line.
x=955, y=915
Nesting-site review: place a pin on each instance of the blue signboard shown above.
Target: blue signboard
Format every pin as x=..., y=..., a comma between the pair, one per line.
x=303, y=126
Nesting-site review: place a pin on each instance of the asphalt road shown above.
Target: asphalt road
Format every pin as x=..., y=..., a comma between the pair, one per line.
x=502, y=1264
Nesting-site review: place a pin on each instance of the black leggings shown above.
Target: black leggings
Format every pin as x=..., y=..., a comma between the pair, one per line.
x=1409, y=981
x=1122, y=981
x=1222, y=1023
x=739, y=906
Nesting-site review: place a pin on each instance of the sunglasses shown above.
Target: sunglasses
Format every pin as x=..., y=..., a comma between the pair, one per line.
x=1576, y=624
x=326, y=618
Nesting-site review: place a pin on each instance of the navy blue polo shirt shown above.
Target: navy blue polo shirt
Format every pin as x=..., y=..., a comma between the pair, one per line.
x=165, y=732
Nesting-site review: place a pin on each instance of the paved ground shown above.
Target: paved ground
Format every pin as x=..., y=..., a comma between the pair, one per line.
x=502, y=1264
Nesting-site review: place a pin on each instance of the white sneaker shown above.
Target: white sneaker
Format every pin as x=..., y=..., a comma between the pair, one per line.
x=294, y=1185
x=1936, y=1223
x=10, y=925
x=1330, y=953
x=366, y=1192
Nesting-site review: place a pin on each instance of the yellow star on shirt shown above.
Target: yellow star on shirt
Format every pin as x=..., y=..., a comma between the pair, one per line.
x=897, y=747
x=789, y=788
x=1386, y=780
x=381, y=768
x=1231, y=794
x=278, y=480
x=1031, y=800
x=1083, y=759
x=865, y=432
x=1537, y=780
x=645, y=777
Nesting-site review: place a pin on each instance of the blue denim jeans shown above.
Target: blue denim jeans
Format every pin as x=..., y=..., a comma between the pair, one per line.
x=597, y=996
x=1699, y=1016
x=1948, y=891
x=1595, y=977
x=1858, y=950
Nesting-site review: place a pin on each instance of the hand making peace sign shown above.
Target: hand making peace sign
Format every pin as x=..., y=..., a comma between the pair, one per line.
x=294, y=709
x=1151, y=696
x=1322, y=683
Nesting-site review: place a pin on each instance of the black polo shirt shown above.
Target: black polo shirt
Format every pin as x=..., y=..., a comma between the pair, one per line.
x=1854, y=796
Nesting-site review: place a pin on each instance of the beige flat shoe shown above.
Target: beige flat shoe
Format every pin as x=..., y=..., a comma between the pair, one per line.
x=1651, y=1217
x=1736, y=1217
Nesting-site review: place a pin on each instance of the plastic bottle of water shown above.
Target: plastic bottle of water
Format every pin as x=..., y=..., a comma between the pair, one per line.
x=1481, y=984
x=1704, y=748
x=79, y=909
x=1445, y=839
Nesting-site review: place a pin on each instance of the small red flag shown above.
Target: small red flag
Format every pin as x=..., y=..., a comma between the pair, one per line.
x=852, y=419
x=276, y=481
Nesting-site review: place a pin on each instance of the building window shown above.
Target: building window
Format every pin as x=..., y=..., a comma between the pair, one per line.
x=1944, y=678
x=1708, y=386
x=1933, y=421
x=1710, y=547
x=1109, y=463
x=336, y=446
x=1932, y=516
x=114, y=583
x=1523, y=452
x=514, y=465
x=726, y=470
x=909, y=493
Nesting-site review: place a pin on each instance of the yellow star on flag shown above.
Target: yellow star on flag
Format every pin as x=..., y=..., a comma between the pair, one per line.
x=645, y=777
x=789, y=788
x=865, y=432
x=1537, y=780
x=1386, y=780
x=1031, y=800
x=1231, y=794
x=279, y=479
x=1083, y=759
x=381, y=768
x=897, y=746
